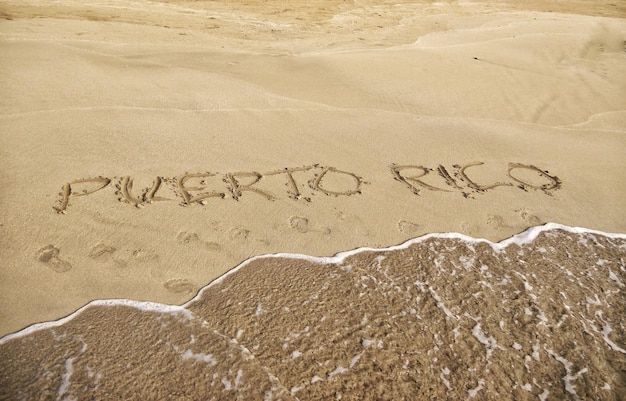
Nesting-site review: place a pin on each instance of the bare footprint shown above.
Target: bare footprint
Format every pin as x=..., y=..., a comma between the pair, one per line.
x=105, y=253
x=145, y=255
x=262, y=241
x=408, y=227
x=49, y=255
x=469, y=229
x=101, y=252
x=300, y=224
x=211, y=246
x=178, y=285
x=187, y=238
x=528, y=217
x=496, y=221
x=303, y=225
x=354, y=222
x=237, y=233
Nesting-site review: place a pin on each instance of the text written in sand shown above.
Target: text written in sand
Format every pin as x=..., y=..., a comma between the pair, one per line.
x=300, y=183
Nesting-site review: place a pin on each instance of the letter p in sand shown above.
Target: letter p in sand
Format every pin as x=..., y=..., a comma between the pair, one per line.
x=82, y=187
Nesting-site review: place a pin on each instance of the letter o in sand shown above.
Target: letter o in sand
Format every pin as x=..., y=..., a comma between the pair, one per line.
x=554, y=182
x=337, y=180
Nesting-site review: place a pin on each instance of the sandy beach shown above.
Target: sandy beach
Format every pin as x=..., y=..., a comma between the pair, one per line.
x=149, y=147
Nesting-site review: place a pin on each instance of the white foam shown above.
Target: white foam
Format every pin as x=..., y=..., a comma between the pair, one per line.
x=445, y=372
x=65, y=379
x=295, y=389
x=226, y=383
x=613, y=277
x=200, y=357
x=441, y=305
x=569, y=377
x=489, y=342
x=355, y=359
x=238, y=378
x=467, y=262
x=144, y=306
x=606, y=330
x=520, y=239
x=544, y=394
x=338, y=370
x=536, y=356
x=472, y=392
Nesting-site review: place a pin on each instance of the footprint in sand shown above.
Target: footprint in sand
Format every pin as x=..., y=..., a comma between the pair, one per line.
x=178, y=285
x=145, y=255
x=496, y=221
x=262, y=241
x=354, y=222
x=469, y=229
x=101, y=252
x=408, y=227
x=528, y=217
x=300, y=224
x=187, y=238
x=105, y=253
x=49, y=255
x=237, y=233
x=303, y=225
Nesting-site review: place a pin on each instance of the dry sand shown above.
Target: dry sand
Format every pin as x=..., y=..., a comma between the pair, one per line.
x=149, y=147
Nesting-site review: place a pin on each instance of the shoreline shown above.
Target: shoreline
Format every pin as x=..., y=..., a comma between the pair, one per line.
x=456, y=316
x=525, y=237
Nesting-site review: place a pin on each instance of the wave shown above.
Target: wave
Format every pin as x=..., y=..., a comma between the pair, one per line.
x=442, y=315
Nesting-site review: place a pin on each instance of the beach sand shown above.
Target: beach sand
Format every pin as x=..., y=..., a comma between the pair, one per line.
x=149, y=147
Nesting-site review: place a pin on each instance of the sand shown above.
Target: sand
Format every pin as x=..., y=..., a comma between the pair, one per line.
x=149, y=147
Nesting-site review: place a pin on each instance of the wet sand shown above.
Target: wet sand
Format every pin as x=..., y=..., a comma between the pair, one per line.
x=444, y=316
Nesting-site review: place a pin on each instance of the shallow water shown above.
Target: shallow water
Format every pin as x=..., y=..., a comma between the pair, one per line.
x=539, y=315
